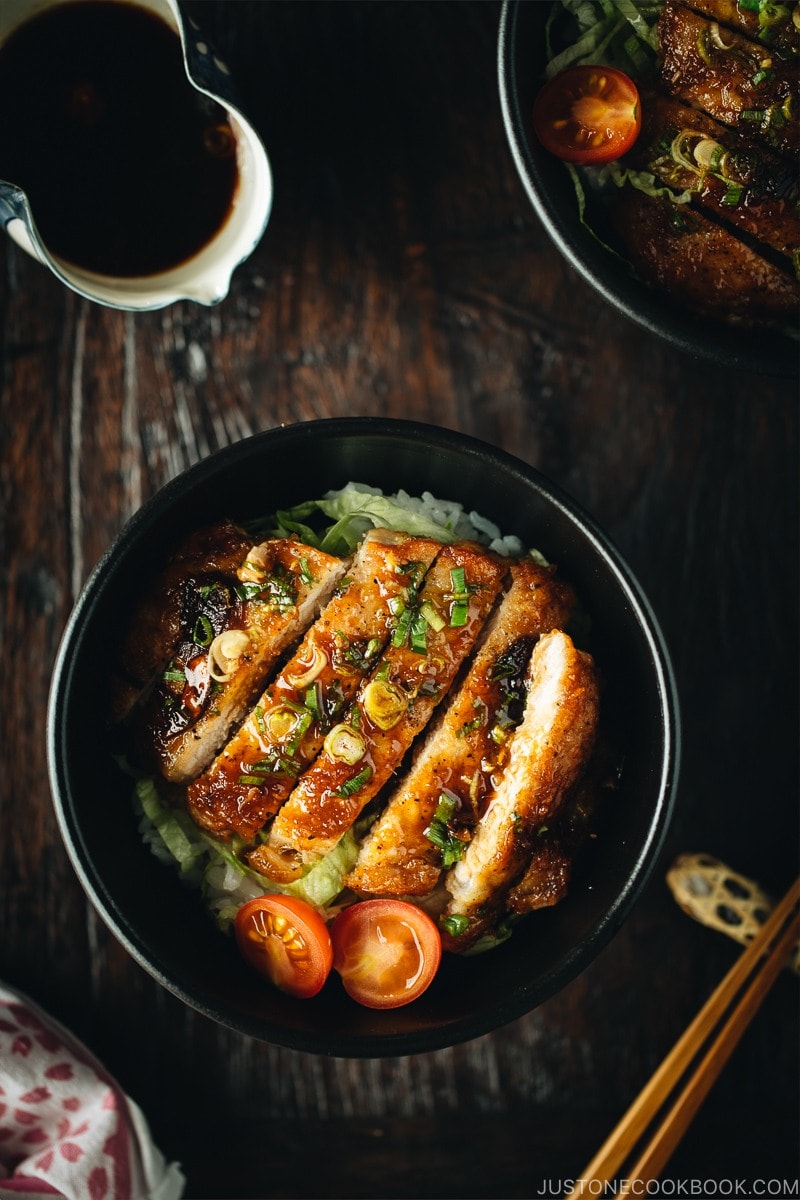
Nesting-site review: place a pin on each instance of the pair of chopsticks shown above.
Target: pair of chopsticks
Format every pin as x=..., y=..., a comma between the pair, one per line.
x=728, y=1012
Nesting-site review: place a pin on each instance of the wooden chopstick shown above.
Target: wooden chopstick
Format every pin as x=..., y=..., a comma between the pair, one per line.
x=760, y=963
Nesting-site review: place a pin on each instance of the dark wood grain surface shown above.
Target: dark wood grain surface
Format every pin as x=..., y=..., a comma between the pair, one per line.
x=403, y=273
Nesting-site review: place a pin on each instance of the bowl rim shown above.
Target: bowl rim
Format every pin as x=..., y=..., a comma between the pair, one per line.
x=641, y=304
x=527, y=996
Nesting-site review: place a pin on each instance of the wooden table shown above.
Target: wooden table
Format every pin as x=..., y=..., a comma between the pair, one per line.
x=403, y=273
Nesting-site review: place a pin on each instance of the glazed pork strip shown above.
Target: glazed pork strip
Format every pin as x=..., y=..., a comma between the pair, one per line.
x=465, y=751
x=701, y=264
x=752, y=191
x=234, y=630
x=155, y=628
x=732, y=78
x=546, y=877
x=548, y=752
x=255, y=772
x=425, y=653
x=772, y=26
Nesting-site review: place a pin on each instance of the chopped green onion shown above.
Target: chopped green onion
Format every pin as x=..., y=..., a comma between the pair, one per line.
x=458, y=582
x=762, y=76
x=313, y=700
x=732, y=196
x=171, y=675
x=456, y=924
x=355, y=783
x=440, y=835
x=418, y=634
x=458, y=614
x=434, y=619
x=752, y=114
x=203, y=633
x=305, y=572
x=401, y=629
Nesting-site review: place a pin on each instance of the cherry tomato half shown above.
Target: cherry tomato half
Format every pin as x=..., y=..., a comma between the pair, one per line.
x=386, y=951
x=286, y=940
x=588, y=114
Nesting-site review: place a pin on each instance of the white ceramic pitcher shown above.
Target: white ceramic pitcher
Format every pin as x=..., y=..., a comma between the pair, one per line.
x=206, y=276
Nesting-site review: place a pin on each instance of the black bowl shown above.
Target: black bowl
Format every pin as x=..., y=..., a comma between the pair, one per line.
x=132, y=890
x=521, y=63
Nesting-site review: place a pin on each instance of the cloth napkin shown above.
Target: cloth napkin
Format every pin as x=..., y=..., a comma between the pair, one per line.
x=66, y=1127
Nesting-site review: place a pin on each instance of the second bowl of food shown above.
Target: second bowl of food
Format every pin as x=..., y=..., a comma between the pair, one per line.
x=681, y=207
x=396, y=758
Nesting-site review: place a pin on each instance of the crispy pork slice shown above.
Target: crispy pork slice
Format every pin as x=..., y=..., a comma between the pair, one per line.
x=770, y=24
x=548, y=752
x=461, y=756
x=746, y=189
x=426, y=650
x=154, y=629
x=255, y=772
x=702, y=264
x=234, y=628
x=546, y=878
x=736, y=80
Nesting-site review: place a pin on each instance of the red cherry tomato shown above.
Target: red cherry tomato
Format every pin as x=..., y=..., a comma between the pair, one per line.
x=588, y=114
x=286, y=940
x=386, y=951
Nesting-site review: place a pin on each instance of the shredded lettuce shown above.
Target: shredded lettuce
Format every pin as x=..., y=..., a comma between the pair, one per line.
x=611, y=33
x=355, y=511
x=225, y=881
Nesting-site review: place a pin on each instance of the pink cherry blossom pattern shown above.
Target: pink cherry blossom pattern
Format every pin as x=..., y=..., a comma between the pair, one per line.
x=71, y=1104
x=70, y=1151
x=36, y=1095
x=59, y=1071
x=46, y=1161
x=23, y=1117
x=22, y=1045
x=98, y=1184
x=35, y=1136
x=48, y=1041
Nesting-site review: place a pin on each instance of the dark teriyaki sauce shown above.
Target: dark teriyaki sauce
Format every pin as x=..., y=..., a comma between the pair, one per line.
x=128, y=169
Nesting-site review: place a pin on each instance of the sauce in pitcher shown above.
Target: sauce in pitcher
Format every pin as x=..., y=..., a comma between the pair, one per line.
x=129, y=170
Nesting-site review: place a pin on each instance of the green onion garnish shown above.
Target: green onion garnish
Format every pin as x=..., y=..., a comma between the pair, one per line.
x=434, y=619
x=401, y=629
x=355, y=783
x=418, y=634
x=305, y=572
x=455, y=925
x=203, y=633
x=313, y=700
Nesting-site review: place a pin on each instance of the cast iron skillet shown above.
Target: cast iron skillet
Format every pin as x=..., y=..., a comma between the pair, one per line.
x=163, y=924
x=521, y=59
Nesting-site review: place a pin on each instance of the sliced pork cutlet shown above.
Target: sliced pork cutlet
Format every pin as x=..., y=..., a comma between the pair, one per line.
x=771, y=25
x=734, y=79
x=427, y=647
x=453, y=771
x=702, y=264
x=213, y=552
x=256, y=771
x=747, y=189
x=546, y=878
x=234, y=628
x=548, y=752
